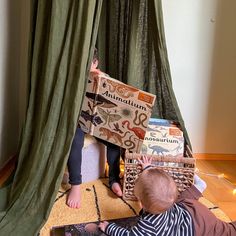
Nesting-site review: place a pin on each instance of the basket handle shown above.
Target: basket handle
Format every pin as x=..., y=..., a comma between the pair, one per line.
x=177, y=159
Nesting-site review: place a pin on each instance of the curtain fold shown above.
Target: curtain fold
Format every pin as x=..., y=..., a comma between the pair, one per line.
x=167, y=99
x=132, y=49
x=63, y=36
x=131, y=45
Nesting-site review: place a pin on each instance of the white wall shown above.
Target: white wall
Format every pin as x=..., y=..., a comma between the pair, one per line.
x=9, y=80
x=13, y=49
x=201, y=42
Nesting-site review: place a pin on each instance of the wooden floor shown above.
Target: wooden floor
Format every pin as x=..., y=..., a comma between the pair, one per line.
x=220, y=190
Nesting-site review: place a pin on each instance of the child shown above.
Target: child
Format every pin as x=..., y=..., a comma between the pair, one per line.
x=75, y=159
x=164, y=212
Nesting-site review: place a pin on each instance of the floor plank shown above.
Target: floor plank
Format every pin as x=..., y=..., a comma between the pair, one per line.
x=220, y=190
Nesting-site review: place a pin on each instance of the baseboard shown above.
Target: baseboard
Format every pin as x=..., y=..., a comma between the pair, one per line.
x=215, y=156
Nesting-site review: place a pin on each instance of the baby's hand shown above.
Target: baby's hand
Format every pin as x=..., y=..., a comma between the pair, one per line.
x=145, y=161
x=95, y=71
x=102, y=225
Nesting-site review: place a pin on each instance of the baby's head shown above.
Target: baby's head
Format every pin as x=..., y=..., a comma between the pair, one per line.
x=156, y=190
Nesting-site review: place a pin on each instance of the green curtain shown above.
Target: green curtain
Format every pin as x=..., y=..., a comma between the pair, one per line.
x=132, y=49
x=63, y=36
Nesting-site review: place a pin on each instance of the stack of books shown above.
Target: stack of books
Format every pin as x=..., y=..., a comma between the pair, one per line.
x=163, y=138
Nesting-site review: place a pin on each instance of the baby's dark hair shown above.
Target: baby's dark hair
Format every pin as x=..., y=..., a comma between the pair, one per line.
x=156, y=190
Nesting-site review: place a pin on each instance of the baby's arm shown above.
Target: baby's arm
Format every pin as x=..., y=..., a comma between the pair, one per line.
x=195, y=191
x=140, y=229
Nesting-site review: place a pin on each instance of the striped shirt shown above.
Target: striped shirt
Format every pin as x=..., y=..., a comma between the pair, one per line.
x=174, y=222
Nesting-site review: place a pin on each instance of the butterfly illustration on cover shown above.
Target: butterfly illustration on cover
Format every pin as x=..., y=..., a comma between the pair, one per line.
x=108, y=116
x=117, y=128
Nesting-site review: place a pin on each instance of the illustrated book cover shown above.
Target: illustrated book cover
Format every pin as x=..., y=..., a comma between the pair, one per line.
x=90, y=228
x=116, y=112
x=163, y=137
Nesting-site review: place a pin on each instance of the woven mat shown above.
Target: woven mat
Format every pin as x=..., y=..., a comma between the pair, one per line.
x=99, y=203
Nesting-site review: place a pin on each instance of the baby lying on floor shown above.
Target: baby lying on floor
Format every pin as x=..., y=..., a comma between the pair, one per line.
x=166, y=212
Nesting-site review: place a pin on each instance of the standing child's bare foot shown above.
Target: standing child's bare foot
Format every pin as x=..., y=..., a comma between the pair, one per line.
x=116, y=189
x=74, y=197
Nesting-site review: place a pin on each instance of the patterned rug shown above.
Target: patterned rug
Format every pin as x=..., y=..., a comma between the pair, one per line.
x=99, y=203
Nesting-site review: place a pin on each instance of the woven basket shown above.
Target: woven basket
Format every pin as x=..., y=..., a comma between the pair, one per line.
x=179, y=167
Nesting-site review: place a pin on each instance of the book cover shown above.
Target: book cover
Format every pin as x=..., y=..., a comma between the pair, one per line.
x=90, y=228
x=163, y=137
x=116, y=112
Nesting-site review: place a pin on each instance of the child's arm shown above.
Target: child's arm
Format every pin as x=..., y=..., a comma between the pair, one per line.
x=140, y=229
x=145, y=162
x=103, y=225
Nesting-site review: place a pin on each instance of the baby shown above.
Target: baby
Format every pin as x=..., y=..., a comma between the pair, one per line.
x=166, y=212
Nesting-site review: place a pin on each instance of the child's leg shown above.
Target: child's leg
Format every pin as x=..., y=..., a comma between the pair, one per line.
x=199, y=183
x=74, y=169
x=113, y=159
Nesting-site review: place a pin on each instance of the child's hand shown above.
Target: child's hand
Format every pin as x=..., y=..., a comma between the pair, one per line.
x=145, y=161
x=95, y=71
x=102, y=225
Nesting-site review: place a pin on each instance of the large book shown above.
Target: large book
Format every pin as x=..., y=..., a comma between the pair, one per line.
x=163, y=137
x=90, y=228
x=116, y=112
